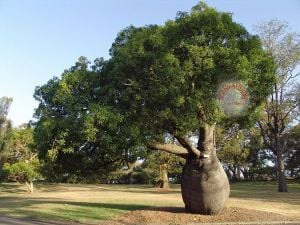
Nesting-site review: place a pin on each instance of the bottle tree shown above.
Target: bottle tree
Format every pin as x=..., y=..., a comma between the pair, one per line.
x=179, y=79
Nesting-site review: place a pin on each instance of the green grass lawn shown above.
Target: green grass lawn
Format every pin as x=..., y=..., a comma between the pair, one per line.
x=91, y=203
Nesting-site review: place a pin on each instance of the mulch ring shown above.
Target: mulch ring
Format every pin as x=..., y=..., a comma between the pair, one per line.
x=178, y=215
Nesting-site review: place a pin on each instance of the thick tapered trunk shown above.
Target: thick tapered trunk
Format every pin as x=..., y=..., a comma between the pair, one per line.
x=205, y=186
x=245, y=173
x=164, y=180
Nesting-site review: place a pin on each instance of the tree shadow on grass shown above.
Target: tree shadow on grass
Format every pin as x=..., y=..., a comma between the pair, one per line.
x=12, y=188
x=64, y=210
x=149, y=191
x=54, y=187
x=32, y=201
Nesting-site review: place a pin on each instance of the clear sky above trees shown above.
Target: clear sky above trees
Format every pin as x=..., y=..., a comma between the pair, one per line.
x=39, y=39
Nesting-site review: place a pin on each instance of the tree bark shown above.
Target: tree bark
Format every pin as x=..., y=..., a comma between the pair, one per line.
x=170, y=148
x=164, y=180
x=205, y=186
x=282, y=186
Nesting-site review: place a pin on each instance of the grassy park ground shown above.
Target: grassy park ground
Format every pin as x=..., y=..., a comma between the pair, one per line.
x=93, y=203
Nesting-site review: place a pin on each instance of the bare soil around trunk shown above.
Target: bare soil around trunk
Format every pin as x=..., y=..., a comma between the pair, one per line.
x=178, y=215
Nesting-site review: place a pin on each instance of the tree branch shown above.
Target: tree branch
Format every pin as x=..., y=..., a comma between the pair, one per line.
x=186, y=143
x=131, y=167
x=171, y=148
x=290, y=110
x=264, y=136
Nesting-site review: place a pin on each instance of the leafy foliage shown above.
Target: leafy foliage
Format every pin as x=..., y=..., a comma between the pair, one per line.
x=235, y=152
x=167, y=77
x=75, y=131
x=20, y=144
x=156, y=160
x=293, y=151
x=159, y=80
x=22, y=171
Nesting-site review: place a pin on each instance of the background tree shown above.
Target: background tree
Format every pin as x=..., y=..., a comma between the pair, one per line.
x=5, y=127
x=260, y=157
x=282, y=105
x=161, y=166
x=293, y=151
x=23, y=172
x=78, y=137
x=243, y=153
x=22, y=164
x=5, y=103
x=19, y=144
x=234, y=152
x=71, y=127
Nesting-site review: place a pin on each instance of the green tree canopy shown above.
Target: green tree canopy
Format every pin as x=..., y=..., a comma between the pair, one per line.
x=76, y=133
x=166, y=78
x=23, y=172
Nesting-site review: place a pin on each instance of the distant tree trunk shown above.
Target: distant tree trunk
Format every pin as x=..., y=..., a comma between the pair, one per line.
x=245, y=173
x=282, y=186
x=227, y=171
x=238, y=173
x=29, y=186
x=232, y=173
x=130, y=178
x=235, y=176
x=205, y=186
x=282, y=106
x=164, y=180
x=233, y=170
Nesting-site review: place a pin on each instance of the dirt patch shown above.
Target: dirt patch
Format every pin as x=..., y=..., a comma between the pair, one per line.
x=177, y=215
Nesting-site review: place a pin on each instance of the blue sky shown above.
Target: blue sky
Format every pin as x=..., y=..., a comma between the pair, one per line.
x=41, y=38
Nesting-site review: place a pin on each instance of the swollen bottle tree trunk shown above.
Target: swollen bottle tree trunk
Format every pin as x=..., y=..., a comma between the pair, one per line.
x=205, y=186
